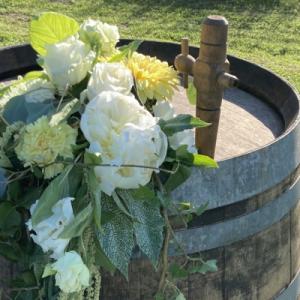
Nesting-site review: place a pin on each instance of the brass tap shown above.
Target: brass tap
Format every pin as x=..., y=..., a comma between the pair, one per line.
x=211, y=77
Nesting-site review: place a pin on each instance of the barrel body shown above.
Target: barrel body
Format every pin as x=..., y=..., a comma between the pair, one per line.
x=252, y=225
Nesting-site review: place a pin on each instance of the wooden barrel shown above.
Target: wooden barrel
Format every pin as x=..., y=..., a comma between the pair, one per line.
x=252, y=223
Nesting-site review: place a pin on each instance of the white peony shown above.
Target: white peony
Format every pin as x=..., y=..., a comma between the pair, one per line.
x=109, y=77
x=123, y=132
x=164, y=110
x=48, y=230
x=68, y=62
x=103, y=34
x=72, y=275
x=35, y=90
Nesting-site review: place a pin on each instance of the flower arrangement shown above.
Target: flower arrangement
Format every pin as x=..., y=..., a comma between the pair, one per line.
x=91, y=150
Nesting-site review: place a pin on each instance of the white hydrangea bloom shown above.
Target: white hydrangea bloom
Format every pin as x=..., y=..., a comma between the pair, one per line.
x=109, y=77
x=36, y=90
x=72, y=275
x=48, y=230
x=164, y=110
x=124, y=133
x=68, y=62
x=103, y=34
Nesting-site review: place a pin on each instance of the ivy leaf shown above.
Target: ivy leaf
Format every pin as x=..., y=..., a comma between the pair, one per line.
x=19, y=109
x=116, y=238
x=56, y=190
x=50, y=28
x=191, y=92
x=203, y=268
x=181, y=175
x=67, y=110
x=78, y=224
x=180, y=123
x=149, y=228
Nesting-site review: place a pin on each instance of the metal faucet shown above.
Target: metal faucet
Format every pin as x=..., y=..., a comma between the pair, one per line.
x=211, y=77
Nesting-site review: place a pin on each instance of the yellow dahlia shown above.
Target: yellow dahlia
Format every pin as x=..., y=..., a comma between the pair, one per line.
x=41, y=144
x=154, y=79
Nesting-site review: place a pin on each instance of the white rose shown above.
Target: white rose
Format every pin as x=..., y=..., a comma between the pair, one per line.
x=35, y=90
x=124, y=133
x=72, y=275
x=165, y=110
x=68, y=62
x=109, y=77
x=103, y=34
x=48, y=230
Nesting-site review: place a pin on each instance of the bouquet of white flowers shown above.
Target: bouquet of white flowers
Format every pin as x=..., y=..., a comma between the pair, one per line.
x=91, y=150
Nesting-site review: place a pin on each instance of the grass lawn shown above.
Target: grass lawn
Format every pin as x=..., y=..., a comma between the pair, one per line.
x=264, y=31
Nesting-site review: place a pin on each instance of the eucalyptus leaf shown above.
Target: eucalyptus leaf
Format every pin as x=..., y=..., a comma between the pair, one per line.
x=19, y=109
x=78, y=224
x=50, y=28
x=180, y=123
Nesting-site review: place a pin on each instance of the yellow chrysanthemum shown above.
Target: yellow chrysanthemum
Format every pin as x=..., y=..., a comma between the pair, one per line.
x=42, y=143
x=154, y=79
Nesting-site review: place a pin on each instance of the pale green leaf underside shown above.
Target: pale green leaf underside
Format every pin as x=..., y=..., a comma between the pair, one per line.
x=50, y=28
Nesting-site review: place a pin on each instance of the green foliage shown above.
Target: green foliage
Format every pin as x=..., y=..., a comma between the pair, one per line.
x=9, y=217
x=180, y=123
x=50, y=28
x=19, y=109
x=126, y=51
x=191, y=92
x=65, y=112
x=204, y=267
x=180, y=176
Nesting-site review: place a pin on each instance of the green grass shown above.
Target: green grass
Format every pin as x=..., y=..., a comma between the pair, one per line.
x=266, y=32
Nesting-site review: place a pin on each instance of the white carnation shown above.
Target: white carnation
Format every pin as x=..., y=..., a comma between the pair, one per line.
x=68, y=62
x=72, y=275
x=102, y=34
x=35, y=90
x=164, y=110
x=47, y=231
x=124, y=133
x=109, y=77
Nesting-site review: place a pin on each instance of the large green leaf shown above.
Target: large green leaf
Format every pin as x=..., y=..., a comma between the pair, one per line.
x=149, y=226
x=116, y=238
x=181, y=175
x=180, y=123
x=19, y=109
x=78, y=224
x=56, y=190
x=51, y=28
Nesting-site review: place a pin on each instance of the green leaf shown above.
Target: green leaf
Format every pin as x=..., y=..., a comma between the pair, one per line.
x=67, y=110
x=149, y=228
x=78, y=224
x=203, y=160
x=50, y=28
x=102, y=260
x=178, y=272
x=191, y=92
x=18, y=109
x=35, y=75
x=48, y=271
x=120, y=205
x=203, y=268
x=92, y=158
x=116, y=238
x=182, y=174
x=56, y=190
x=9, y=217
x=125, y=51
x=9, y=252
x=180, y=123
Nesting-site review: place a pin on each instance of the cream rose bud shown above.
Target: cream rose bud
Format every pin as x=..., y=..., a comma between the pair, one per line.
x=47, y=231
x=72, y=275
x=165, y=110
x=124, y=132
x=109, y=77
x=103, y=34
x=68, y=62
